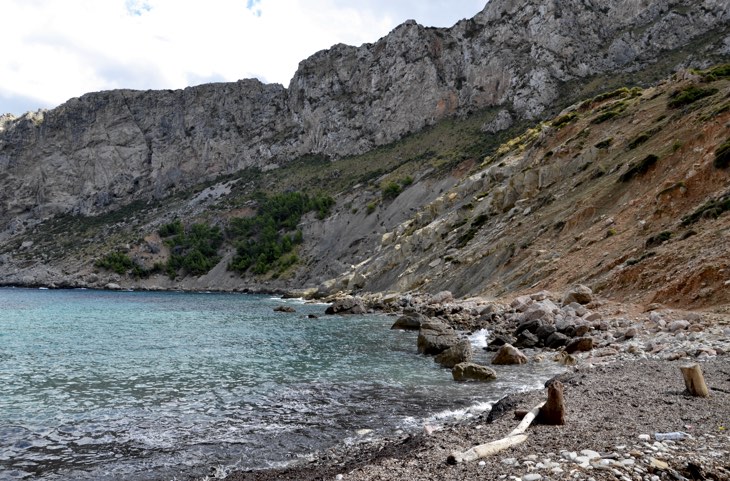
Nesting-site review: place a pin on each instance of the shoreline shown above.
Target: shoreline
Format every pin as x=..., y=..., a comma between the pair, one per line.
x=618, y=437
x=634, y=347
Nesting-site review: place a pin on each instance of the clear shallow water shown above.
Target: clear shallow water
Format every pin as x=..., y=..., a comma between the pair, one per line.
x=151, y=386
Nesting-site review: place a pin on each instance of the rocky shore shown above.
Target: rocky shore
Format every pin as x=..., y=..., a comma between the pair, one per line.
x=623, y=386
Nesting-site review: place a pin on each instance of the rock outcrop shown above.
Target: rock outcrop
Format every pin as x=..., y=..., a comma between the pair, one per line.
x=105, y=149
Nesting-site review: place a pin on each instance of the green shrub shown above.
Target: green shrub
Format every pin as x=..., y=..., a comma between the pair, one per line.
x=171, y=229
x=370, y=208
x=391, y=190
x=609, y=114
x=639, y=168
x=564, y=120
x=718, y=72
x=689, y=95
x=722, y=155
x=266, y=241
x=120, y=263
x=196, y=251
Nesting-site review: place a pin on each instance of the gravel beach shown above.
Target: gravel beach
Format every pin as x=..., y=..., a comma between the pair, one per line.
x=613, y=413
x=618, y=395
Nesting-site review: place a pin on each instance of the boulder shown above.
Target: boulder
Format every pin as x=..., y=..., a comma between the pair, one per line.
x=580, y=294
x=409, y=322
x=469, y=371
x=556, y=340
x=531, y=325
x=507, y=355
x=579, y=344
x=544, y=331
x=499, y=341
x=347, y=305
x=679, y=325
x=459, y=353
x=284, y=309
x=312, y=316
x=566, y=327
x=526, y=339
x=435, y=337
x=441, y=298
x=581, y=330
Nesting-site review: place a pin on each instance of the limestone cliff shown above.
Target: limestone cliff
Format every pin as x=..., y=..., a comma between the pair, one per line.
x=106, y=149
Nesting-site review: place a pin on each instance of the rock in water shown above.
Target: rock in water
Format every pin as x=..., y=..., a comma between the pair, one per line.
x=347, y=305
x=284, y=309
x=469, y=371
x=409, y=322
x=508, y=354
x=435, y=337
x=459, y=353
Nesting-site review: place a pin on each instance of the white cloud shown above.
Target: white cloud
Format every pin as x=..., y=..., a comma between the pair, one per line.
x=57, y=50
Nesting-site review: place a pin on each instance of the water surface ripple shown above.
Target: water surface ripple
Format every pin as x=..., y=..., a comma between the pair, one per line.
x=150, y=386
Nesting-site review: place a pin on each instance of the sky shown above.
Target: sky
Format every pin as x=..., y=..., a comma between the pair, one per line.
x=54, y=50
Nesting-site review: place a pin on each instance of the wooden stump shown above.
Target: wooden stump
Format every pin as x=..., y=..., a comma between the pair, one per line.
x=553, y=412
x=694, y=380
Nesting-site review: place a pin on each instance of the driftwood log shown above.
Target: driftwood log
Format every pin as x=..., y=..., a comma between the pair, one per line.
x=517, y=436
x=694, y=380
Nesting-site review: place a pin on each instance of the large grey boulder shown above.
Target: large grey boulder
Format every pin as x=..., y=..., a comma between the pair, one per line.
x=580, y=294
x=469, y=371
x=347, y=305
x=435, y=337
x=409, y=322
x=456, y=354
x=507, y=355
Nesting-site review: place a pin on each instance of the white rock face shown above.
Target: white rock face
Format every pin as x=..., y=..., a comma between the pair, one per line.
x=105, y=149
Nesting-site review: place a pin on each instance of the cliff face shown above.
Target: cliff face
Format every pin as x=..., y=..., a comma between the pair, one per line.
x=108, y=148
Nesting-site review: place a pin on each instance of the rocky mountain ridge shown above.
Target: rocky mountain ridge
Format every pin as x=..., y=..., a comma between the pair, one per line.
x=521, y=58
x=597, y=194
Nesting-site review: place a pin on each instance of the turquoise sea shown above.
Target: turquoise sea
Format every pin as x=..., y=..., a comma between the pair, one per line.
x=100, y=385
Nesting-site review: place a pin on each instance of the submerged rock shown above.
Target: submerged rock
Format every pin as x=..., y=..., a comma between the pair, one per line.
x=469, y=371
x=284, y=309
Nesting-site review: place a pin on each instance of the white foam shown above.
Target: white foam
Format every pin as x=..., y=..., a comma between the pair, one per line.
x=479, y=339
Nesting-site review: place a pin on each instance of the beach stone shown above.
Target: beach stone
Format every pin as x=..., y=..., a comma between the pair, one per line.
x=441, y=298
x=499, y=341
x=679, y=325
x=532, y=477
x=409, y=322
x=435, y=337
x=544, y=331
x=469, y=371
x=580, y=294
x=556, y=340
x=520, y=303
x=582, y=330
x=631, y=332
x=531, y=325
x=526, y=339
x=458, y=353
x=347, y=305
x=508, y=355
x=581, y=344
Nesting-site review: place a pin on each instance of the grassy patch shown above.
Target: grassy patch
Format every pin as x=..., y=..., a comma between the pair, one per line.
x=689, y=95
x=564, y=120
x=711, y=209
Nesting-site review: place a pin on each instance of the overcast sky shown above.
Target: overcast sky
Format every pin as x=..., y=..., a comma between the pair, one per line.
x=53, y=50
